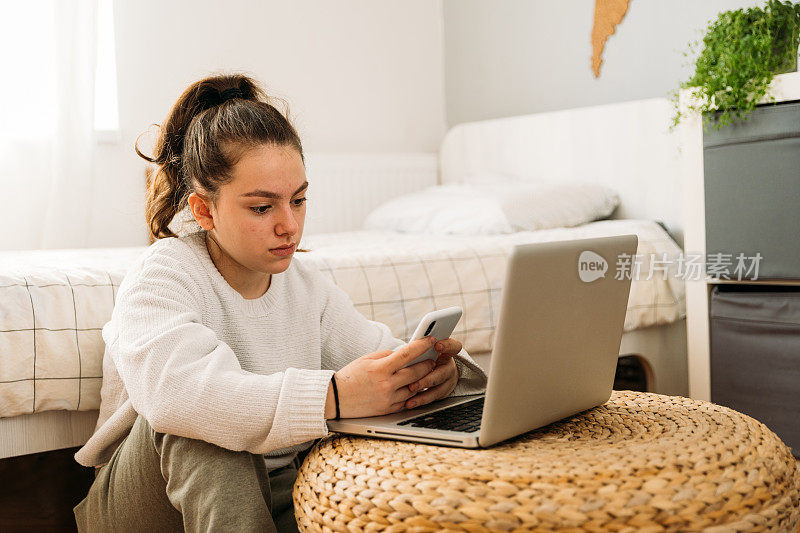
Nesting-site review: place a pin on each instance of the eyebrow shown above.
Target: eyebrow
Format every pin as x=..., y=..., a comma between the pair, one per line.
x=266, y=194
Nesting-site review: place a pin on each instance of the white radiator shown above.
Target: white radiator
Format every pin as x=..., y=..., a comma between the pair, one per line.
x=344, y=188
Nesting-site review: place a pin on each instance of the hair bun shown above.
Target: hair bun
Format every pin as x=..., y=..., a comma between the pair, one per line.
x=232, y=92
x=209, y=96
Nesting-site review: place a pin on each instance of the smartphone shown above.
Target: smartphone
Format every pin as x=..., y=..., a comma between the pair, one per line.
x=440, y=324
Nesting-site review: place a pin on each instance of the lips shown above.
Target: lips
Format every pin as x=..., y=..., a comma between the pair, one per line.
x=283, y=250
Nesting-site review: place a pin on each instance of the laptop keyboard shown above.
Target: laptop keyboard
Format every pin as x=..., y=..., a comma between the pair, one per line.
x=462, y=417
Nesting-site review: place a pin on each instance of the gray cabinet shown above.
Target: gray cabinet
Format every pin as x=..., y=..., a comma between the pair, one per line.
x=755, y=355
x=752, y=210
x=752, y=192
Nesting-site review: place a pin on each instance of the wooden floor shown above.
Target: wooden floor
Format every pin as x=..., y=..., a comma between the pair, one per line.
x=38, y=491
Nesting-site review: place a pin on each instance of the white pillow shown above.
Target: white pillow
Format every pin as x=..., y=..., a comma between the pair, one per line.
x=542, y=205
x=486, y=208
x=440, y=209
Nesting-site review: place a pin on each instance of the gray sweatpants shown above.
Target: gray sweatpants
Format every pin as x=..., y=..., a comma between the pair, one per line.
x=162, y=482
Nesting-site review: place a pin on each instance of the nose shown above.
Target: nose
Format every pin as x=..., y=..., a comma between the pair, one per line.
x=286, y=222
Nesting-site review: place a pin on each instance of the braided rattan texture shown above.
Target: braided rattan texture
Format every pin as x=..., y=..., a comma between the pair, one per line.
x=640, y=462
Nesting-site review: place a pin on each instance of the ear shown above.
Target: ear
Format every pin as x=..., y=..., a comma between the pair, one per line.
x=201, y=211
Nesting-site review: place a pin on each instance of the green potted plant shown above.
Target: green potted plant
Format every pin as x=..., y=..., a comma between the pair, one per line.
x=742, y=51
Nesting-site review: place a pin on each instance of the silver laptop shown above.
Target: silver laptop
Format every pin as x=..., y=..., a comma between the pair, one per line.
x=555, y=352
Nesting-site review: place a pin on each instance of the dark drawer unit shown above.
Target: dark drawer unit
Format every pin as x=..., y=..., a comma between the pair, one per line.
x=755, y=355
x=752, y=192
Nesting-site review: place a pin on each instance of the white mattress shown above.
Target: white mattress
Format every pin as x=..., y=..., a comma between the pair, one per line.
x=54, y=303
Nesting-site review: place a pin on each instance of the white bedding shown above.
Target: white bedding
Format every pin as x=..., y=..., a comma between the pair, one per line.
x=398, y=277
x=54, y=303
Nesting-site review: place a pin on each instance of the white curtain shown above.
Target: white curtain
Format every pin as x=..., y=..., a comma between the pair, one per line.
x=46, y=126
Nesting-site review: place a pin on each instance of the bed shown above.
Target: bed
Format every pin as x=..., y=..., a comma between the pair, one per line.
x=54, y=303
x=393, y=278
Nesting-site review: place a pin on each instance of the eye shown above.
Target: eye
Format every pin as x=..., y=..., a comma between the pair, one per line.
x=262, y=209
x=256, y=209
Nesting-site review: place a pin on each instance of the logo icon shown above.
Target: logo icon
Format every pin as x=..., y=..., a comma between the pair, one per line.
x=591, y=266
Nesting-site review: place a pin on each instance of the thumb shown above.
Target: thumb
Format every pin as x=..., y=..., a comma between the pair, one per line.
x=378, y=355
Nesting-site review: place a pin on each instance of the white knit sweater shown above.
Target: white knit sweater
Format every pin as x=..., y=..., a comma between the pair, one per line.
x=196, y=359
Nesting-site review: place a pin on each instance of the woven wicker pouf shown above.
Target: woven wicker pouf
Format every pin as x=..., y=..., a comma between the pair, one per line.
x=640, y=462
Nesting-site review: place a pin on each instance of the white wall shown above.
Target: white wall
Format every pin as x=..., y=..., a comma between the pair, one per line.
x=388, y=76
x=514, y=57
x=359, y=76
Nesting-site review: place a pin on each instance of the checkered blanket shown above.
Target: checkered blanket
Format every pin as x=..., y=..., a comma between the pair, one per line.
x=396, y=278
x=54, y=303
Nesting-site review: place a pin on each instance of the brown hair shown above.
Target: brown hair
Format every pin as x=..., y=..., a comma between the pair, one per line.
x=203, y=137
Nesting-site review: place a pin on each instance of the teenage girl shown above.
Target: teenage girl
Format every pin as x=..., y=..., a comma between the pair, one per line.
x=223, y=356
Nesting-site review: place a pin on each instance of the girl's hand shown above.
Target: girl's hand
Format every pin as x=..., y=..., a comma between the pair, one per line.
x=376, y=383
x=442, y=379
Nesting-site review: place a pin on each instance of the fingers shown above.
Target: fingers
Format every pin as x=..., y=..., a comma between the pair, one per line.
x=449, y=346
x=439, y=383
x=440, y=373
x=407, y=353
x=378, y=355
x=412, y=373
x=439, y=391
x=400, y=396
x=397, y=406
x=444, y=358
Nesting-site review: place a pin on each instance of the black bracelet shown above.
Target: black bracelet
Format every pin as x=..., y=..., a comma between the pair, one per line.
x=335, y=395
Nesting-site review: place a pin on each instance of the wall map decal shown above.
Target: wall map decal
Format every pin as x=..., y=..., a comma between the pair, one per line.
x=607, y=15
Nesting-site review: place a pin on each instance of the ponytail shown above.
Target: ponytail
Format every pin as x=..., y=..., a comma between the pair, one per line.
x=202, y=138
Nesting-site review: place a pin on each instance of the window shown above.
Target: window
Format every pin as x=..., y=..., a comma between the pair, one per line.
x=106, y=107
x=27, y=38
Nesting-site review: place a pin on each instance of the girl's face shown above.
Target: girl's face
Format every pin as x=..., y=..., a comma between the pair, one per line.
x=262, y=208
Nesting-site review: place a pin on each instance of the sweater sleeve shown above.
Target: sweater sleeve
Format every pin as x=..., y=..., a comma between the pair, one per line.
x=185, y=381
x=347, y=335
